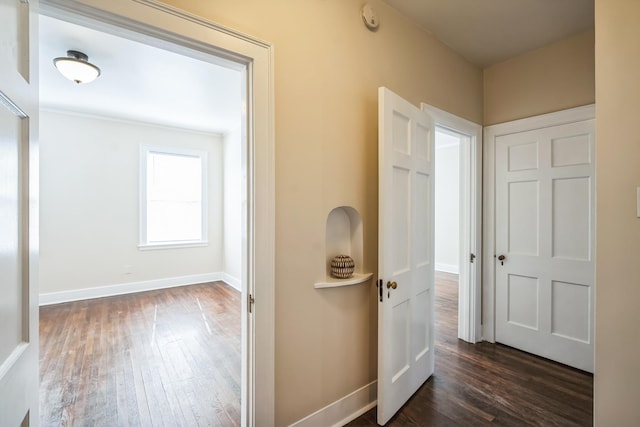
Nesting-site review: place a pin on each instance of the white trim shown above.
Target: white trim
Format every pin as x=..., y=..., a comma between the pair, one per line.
x=234, y=282
x=578, y=114
x=470, y=286
x=488, y=236
x=204, y=22
x=13, y=358
x=176, y=245
x=447, y=268
x=343, y=410
x=163, y=26
x=127, y=288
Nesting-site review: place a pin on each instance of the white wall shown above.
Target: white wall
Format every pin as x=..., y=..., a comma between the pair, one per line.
x=447, y=200
x=89, y=204
x=233, y=202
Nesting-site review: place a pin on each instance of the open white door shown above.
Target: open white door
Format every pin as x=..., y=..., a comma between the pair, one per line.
x=18, y=213
x=405, y=251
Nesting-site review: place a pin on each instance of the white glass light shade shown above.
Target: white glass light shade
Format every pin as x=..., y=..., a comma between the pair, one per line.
x=76, y=67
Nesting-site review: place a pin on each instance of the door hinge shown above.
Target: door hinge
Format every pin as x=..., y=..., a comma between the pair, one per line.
x=472, y=257
x=250, y=301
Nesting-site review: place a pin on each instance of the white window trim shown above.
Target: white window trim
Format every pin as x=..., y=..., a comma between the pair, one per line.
x=142, y=243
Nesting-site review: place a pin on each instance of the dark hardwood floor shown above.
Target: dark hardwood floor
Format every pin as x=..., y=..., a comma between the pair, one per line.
x=489, y=384
x=163, y=358
x=172, y=358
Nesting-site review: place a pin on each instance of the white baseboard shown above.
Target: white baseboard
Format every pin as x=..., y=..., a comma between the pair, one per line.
x=234, y=282
x=447, y=268
x=343, y=410
x=127, y=288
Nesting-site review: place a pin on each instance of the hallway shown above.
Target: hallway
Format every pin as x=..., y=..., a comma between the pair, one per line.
x=490, y=384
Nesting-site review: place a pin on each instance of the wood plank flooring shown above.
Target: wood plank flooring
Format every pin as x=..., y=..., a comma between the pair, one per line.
x=172, y=358
x=489, y=384
x=164, y=358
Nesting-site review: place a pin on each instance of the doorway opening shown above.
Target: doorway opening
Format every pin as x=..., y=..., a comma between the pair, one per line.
x=99, y=155
x=447, y=200
x=447, y=234
x=458, y=196
x=249, y=58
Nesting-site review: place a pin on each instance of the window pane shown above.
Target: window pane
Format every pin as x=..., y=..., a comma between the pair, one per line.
x=173, y=221
x=174, y=177
x=174, y=197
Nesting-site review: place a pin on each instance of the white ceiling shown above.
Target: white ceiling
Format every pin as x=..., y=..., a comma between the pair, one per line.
x=486, y=32
x=145, y=83
x=138, y=82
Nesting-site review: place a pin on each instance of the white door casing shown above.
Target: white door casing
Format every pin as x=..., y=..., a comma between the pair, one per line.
x=18, y=213
x=544, y=227
x=166, y=27
x=405, y=251
x=470, y=275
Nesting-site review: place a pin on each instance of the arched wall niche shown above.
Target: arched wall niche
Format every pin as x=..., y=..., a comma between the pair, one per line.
x=344, y=237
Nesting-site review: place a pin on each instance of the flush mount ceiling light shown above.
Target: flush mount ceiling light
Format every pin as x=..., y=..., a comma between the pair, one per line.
x=76, y=67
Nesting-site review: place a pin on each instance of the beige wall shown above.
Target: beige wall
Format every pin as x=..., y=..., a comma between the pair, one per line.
x=617, y=375
x=552, y=78
x=328, y=67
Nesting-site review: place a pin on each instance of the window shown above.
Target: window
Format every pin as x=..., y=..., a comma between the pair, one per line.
x=173, y=201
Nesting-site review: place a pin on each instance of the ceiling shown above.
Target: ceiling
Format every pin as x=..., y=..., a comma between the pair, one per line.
x=144, y=83
x=139, y=82
x=486, y=32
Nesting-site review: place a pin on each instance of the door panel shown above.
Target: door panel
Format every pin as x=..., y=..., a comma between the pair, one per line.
x=523, y=234
x=18, y=215
x=571, y=219
x=400, y=220
x=522, y=301
x=423, y=205
x=571, y=325
x=405, y=316
x=544, y=228
x=11, y=229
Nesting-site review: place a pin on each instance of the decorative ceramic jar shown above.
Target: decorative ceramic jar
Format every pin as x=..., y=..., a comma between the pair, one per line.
x=342, y=266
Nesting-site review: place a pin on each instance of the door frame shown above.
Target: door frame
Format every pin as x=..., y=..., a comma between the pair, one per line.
x=586, y=112
x=151, y=18
x=469, y=283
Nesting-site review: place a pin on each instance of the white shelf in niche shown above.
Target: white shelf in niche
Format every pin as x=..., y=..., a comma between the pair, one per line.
x=353, y=280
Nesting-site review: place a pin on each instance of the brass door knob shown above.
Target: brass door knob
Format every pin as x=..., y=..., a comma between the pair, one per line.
x=392, y=285
x=501, y=258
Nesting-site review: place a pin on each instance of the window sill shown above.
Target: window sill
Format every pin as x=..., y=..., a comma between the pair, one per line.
x=173, y=245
